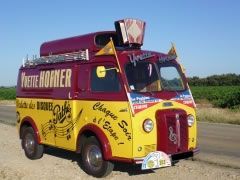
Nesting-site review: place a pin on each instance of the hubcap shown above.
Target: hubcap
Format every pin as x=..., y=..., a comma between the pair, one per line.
x=94, y=157
x=29, y=143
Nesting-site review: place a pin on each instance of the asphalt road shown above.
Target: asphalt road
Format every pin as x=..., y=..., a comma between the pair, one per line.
x=217, y=139
x=8, y=114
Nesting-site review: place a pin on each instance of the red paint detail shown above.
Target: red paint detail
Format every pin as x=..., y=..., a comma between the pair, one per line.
x=74, y=83
x=166, y=119
x=84, y=82
x=52, y=93
x=29, y=120
x=80, y=83
x=141, y=26
x=124, y=160
x=103, y=140
x=83, y=92
x=178, y=132
x=71, y=44
x=128, y=23
x=190, y=104
x=144, y=106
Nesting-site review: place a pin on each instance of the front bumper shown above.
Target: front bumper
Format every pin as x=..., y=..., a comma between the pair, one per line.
x=185, y=155
x=174, y=157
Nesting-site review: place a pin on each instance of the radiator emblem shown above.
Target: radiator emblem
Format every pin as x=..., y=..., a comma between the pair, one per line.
x=172, y=136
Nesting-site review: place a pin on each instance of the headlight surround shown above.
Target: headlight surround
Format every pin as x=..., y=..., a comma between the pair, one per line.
x=191, y=120
x=148, y=125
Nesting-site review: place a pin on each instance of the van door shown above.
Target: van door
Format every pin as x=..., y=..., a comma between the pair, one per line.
x=44, y=107
x=63, y=111
x=109, y=108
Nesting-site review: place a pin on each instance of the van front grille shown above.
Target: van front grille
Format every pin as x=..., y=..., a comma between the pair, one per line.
x=172, y=131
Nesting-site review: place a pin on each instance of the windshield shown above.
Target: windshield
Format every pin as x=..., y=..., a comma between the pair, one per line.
x=149, y=77
x=171, y=79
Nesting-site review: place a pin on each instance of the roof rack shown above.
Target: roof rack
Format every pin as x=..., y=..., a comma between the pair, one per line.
x=82, y=55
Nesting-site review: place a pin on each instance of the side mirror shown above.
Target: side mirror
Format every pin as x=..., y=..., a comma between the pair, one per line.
x=101, y=71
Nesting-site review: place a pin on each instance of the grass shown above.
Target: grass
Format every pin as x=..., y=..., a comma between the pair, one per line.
x=218, y=115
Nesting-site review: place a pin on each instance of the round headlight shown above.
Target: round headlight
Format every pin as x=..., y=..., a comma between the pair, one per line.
x=148, y=125
x=191, y=120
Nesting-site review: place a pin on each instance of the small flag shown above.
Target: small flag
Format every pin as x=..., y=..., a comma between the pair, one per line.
x=172, y=51
x=106, y=50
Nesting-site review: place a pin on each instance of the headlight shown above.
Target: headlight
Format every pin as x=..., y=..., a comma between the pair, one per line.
x=191, y=120
x=148, y=125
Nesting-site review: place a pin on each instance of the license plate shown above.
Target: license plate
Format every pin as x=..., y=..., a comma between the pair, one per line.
x=156, y=159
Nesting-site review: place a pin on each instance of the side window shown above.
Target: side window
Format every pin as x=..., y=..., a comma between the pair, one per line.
x=109, y=83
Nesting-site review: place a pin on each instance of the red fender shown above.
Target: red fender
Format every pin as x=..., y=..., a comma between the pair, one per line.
x=29, y=120
x=103, y=140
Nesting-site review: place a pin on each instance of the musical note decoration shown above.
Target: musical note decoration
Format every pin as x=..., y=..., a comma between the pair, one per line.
x=61, y=131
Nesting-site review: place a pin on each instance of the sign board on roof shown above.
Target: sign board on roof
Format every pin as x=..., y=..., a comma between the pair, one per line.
x=131, y=31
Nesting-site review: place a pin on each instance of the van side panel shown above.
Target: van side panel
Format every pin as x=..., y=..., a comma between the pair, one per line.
x=110, y=118
x=40, y=111
x=58, y=99
x=44, y=94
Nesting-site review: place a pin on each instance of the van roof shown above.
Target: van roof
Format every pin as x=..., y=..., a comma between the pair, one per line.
x=92, y=42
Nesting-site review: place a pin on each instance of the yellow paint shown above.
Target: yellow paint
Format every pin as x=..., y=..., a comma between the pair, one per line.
x=60, y=121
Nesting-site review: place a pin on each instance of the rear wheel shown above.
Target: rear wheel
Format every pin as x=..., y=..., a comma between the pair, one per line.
x=32, y=149
x=92, y=159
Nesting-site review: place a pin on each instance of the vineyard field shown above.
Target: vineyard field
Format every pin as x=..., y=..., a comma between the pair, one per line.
x=219, y=96
x=7, y=93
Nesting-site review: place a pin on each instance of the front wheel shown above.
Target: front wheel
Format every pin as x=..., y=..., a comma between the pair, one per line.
x=92, y=159
x=32, y=149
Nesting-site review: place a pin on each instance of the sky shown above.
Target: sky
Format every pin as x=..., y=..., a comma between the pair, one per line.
x=206, y=32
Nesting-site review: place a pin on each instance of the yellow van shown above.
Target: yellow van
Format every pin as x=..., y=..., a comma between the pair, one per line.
x=104, y=97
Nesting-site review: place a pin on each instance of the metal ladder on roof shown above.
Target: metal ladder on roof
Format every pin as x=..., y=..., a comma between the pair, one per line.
x=82, y=55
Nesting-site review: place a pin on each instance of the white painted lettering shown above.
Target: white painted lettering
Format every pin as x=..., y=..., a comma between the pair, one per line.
x=56, y=77
x=46, y=79
x=41, y=82
x=68, y=78
x=51, y=79
x=22, y=78
x=62, y=77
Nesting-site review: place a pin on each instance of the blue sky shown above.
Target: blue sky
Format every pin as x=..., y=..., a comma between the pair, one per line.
x=206, y=32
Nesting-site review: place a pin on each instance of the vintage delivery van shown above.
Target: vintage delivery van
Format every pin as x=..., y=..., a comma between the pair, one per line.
x=104, y=97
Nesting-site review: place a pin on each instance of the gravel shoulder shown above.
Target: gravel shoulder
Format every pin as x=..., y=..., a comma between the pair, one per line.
x=58, y=164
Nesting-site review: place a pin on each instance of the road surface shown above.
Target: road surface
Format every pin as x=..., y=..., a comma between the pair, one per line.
x=221, y=139
x=8, y=114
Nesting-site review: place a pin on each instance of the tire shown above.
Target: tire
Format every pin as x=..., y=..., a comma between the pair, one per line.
x=92, y=160
x=32, y=149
